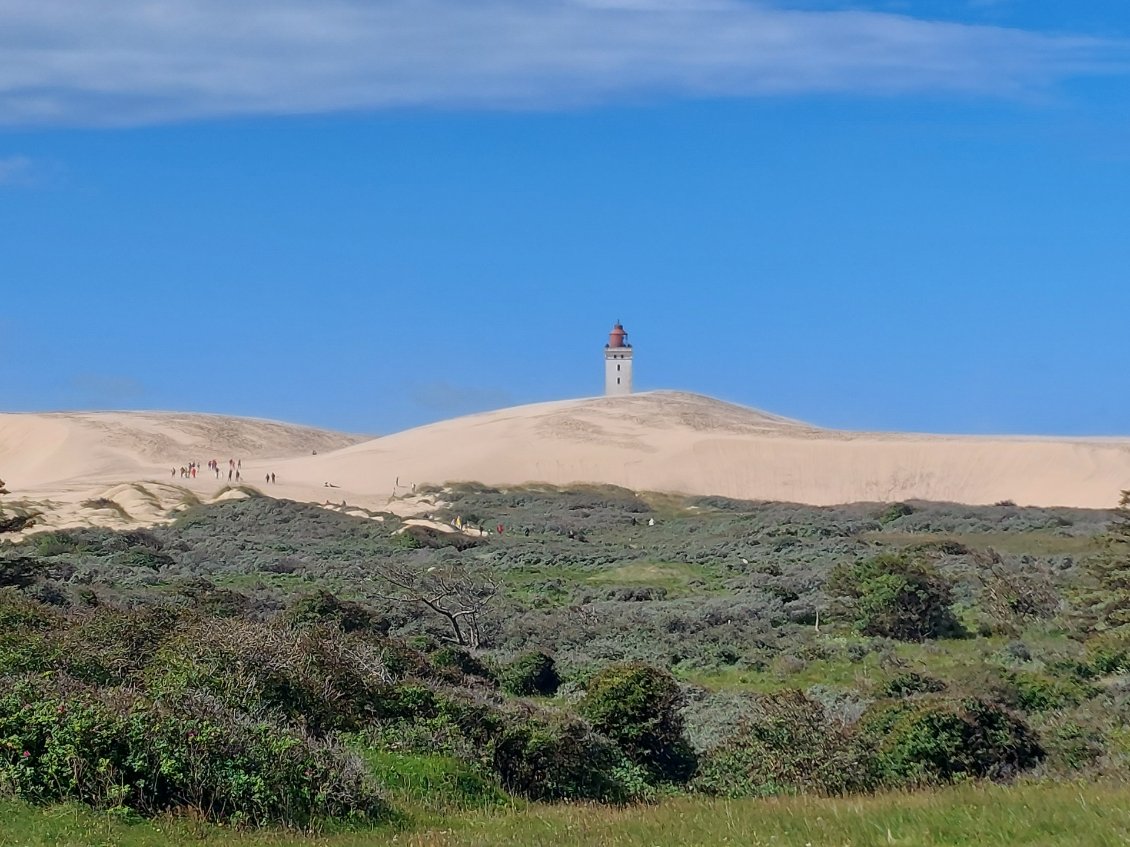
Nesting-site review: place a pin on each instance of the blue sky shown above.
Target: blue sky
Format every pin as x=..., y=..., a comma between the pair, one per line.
x=873, y=215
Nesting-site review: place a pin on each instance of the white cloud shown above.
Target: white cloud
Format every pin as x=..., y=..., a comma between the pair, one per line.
x=138, y=61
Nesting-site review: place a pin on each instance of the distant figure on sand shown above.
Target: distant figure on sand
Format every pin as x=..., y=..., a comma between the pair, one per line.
x=272, y=477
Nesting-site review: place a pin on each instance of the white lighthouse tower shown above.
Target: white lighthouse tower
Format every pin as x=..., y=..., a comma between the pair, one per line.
x=617, y=363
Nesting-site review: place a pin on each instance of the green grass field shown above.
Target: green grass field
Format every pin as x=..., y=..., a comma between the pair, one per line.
x=1083, y=815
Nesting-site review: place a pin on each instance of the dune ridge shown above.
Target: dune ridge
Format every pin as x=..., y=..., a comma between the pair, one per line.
x=113, y=468
x=679, y=442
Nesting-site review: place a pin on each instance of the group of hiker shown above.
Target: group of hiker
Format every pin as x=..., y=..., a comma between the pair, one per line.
x=235, y=470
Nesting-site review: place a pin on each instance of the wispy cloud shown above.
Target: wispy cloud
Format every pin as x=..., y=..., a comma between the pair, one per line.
x=450, y=399
x=15, y=170
x=138, y=61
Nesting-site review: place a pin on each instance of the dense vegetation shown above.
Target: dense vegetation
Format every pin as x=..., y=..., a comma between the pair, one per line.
x=261, y=661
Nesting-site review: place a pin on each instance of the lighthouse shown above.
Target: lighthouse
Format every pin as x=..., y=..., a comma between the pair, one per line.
x=617, y=363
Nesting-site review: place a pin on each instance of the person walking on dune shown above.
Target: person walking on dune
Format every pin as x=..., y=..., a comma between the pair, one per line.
x=272, y=477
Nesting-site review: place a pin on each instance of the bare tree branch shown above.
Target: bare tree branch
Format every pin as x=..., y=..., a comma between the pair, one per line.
x=450, y=591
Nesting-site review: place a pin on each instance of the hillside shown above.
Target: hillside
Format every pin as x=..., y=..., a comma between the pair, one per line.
x=670, y=441
x=122, y=468
x=118, y=468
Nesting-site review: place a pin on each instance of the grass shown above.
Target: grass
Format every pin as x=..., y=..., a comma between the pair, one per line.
x=676, y=577
x=1039, y=815
x=428, y=786
x=949, y=660
x=1034, y=542
x=104, y=503
x=530, y=585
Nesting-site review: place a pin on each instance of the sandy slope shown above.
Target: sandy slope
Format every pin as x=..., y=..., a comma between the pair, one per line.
x=669, y=441
x=114, y=468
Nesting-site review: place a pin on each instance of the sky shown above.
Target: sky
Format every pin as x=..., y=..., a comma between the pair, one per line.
x=372, y=214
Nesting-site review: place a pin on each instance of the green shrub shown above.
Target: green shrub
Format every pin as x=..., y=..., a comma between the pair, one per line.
x=210, y=600
x=60, y=740
x=638, y=706
x=463, y=661
x=61, y=542
x=327, y=608
x=911, y=683
x=20, y=612
x=1042, y=693
x=533, y=673
x=315, y=676
x=895, y=511
x=930, y=740
x=536, y=755
x=1101, y=596
x=556, y=757
x=1071, y=747
x=896, y=595
x=789, y=746
x=1108, y=655
x=19, y=571
x=141, y=558
x=114, y=646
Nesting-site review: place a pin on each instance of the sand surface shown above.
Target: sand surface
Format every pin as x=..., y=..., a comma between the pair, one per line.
x=657, y=441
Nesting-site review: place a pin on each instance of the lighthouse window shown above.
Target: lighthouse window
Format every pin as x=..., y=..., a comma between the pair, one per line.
x=617, y=367
x=617, y=380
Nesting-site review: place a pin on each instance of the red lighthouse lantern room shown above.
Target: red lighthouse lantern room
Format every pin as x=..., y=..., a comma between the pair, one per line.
x=618, y=337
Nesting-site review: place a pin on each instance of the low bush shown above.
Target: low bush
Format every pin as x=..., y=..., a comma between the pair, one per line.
x=315, y=676
x=463, y=661
x=1109, y=655
x=896, y=595
x=557, y=757
x=639, y=707
x=895, y=511
x=61, y=740
x=534, y=754
x=531, y=674
x=910, y=683
x=324, y=607
x=1071, y=747
x=1043, y=693
x=934, y=740
x=788, y=746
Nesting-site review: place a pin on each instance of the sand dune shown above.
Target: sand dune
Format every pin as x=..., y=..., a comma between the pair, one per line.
x=670, y=441
x=39, y=450
x=114, y=468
